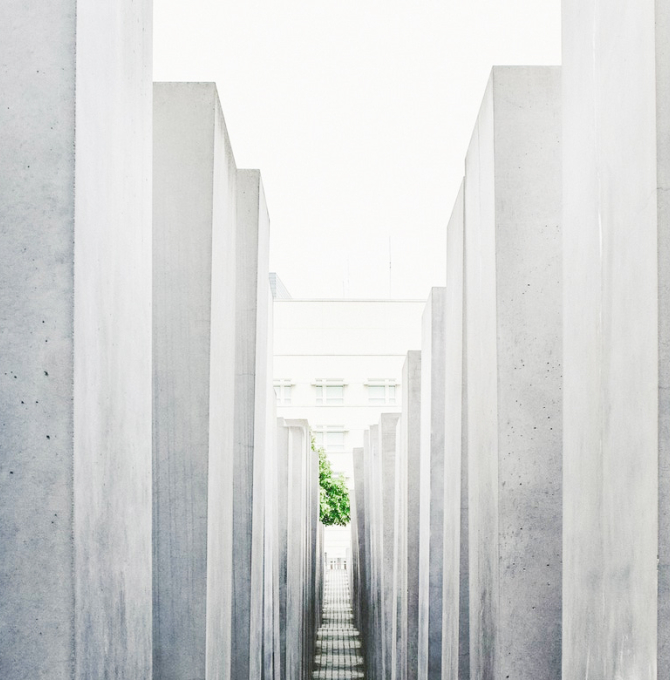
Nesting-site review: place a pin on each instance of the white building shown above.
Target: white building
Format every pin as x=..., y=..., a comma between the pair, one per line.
x=338, y=364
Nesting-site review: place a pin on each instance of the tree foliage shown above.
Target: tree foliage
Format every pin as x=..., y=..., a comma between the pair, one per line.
x=334, y=506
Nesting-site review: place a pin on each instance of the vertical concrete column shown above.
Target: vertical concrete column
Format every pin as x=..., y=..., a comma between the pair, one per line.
x=376, y=624
x=193, y=379
x=354, y=568
x=271, y=641
x=283, y=438
x=387, y=450
x=361, y=520
x=455, y=606
x=313, y=512
x=616, y=175
x=431, y=487
x=75, y=340
x=250, y=412
x=297, y=572
x=399, y=613
x=409, y=448
x=406, y=552
x=513, y=338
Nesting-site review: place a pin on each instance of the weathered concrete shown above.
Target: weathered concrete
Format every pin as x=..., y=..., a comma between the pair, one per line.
x=513, y=337
x=299, y=548
x=387, y=449
x=300, y=567
x=405, y=621
x=375, y=628
x=362, y=546
x=283, y=445
x=250, y=440
x=193, y=380
x=617, y=339
x=271, y=630
x=431, y=487
x=455, y=607
x=75, y=340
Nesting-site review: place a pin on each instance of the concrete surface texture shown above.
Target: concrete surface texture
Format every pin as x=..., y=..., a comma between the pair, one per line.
x=617, y=312
x=375, y=630
x=300, y=550
x=387, y=448
x=514, y=373
x=193, y=272
x=75, y=340
x=250, y=427
x=431, y=487
x=360, y=550
x=405, y=622
x=455, y=606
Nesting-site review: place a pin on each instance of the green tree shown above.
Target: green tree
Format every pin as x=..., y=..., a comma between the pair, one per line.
x=334, y=506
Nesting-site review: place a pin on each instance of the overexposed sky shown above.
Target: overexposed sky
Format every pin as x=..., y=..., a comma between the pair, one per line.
x=358, y=114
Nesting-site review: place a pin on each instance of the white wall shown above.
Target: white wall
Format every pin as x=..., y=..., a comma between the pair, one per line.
x=352, y=340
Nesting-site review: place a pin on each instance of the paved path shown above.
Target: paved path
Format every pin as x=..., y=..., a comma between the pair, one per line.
x=338, y=645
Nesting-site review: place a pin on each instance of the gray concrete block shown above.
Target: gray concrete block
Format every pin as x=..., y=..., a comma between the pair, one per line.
x=193, y=380
x=514, y=373
x=301, y=574
x=387, y=449
x=375, y=622
x=455, y=612
x=617, y=339
x=75, y=340
x=406, y=570
x=431, y=487
x=282, y=521
x=362, y=546
x=250, y=413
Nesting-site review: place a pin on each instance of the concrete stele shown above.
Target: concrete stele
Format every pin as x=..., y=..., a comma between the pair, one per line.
x=431, y=487
x=514, y=373
x=387, y=448
x=75, y=340
x=251, y=435
x=455, y=613
x=193, y=378
x=617, y=339
x=406, y=553
x=361, y=520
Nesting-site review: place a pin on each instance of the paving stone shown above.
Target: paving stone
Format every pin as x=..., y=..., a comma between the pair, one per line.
x=338, y=645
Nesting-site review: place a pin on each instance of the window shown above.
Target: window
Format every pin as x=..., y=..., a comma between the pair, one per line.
x=330, y=437
x=381, y=391
x=283, y=391
x=329, y=392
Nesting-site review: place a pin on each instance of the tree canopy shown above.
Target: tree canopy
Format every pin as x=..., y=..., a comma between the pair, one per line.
x=334, y=506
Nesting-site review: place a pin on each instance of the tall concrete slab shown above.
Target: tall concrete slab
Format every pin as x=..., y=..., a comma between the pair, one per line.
x=431, y=487
x=283, y=444
x=405, y=622
x=297, y=614
x=250, y=413
x=361, y=520
x=514, y=373
x=455, y=594
x=387, y=448
x=193, y=381
x=616, y=174
x=271, y=631
x=75, y=339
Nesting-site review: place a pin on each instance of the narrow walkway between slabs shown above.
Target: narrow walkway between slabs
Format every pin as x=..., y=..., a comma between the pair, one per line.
x=338, y=644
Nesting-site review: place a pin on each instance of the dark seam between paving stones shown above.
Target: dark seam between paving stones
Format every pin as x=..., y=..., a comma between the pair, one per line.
x=338, y=644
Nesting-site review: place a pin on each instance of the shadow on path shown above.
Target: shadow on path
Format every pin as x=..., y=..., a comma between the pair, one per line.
x=338, y=644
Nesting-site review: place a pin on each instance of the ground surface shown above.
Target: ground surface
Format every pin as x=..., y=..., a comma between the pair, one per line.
x=338, y=646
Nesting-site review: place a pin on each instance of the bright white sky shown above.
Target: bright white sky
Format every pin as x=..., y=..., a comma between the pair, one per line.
x=358, y=114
